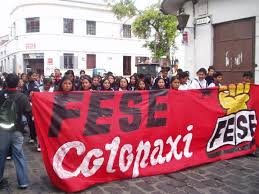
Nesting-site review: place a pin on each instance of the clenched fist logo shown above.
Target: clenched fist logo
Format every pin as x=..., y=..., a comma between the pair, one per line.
x=234, y=97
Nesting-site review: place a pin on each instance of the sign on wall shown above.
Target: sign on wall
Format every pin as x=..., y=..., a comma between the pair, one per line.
x=29, y=46
x=50, y=61
x=204, y=20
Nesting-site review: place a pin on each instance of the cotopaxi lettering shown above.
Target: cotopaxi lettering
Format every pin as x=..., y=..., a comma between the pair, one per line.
x=144, y=156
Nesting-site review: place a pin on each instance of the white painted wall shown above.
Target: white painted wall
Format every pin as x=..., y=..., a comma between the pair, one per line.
x=257, y=50
x=107, y=44
x=204, y=45
x=190, y=48
x=228, y=10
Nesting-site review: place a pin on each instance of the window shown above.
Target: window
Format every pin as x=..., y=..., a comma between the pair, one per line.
x=32, y=24
x=126, y=65
x=68, y=25
x=68, y=61
x=91, y=61
x=91, y=27
x=126, y=31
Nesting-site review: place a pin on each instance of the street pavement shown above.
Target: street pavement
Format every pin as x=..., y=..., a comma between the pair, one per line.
x=239, y=175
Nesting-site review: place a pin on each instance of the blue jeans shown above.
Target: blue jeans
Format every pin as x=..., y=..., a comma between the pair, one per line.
x=13, y=140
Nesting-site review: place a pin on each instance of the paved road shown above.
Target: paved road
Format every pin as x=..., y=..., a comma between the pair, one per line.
x=240, y=175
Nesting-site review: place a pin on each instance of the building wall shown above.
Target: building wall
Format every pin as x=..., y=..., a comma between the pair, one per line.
x=199, y=51
x=257, y=50
x=108, y=43
x=222, y=10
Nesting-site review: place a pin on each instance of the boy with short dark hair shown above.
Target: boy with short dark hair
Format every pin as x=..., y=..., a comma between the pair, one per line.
x=248, y=77
x=183, y=78
x=31, y=86
x=199, y=82
x=11, y=136
x=217, y=79
x=209, y=78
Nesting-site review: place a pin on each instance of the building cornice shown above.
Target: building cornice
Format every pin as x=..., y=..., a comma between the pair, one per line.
x=65, y=3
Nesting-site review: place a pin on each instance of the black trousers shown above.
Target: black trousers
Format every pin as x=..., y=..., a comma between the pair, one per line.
x=31, y=125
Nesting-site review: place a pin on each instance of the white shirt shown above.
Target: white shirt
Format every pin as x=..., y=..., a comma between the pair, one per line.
x=51, y=89
x=213, y=85
x=197, y=84
x=183, y=87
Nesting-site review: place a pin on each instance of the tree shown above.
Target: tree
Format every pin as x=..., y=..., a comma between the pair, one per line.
x=158, y=29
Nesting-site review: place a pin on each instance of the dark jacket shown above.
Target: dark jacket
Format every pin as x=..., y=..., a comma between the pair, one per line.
x=209, y=79
x=23, y=106
x=31, y=87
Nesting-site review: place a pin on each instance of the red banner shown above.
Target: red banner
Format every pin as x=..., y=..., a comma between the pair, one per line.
x=96, y=137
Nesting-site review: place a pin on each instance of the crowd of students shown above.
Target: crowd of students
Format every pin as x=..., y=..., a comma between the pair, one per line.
x=25, y=84
x=32, y=82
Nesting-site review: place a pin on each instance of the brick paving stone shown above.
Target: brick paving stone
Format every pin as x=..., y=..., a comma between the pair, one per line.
x=163, y=177
x=213, y=191
x=123, y=183
x=146, y=187
x=252, y=177
x=211, y=183
x=235, y=178
x=236, y=185
x=113, y=190
x=176, y=183
x=191, y=190
x=216, y=177
x=231, y=190
x=166, y=187
x=252, y=166
x=196, y=176
x=156, y=192
x=135, y=190
x=241, y=172
x=254, y=185
x=96, y=190
x=194, y=183
x=200, y=171
x=218, y=171
x=150, y=179
x=178, y=176
x=179, y=192
x=253, y=192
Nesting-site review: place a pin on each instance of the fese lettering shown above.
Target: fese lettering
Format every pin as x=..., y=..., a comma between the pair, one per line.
x=97, y=112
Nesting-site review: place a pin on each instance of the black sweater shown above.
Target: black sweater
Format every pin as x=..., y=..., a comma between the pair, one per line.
x=23, y=106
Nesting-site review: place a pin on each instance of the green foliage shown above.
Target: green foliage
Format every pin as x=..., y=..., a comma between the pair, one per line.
x=158, y=29
x=124, y=8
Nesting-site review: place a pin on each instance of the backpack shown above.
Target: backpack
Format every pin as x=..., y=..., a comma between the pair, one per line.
x=8, y=113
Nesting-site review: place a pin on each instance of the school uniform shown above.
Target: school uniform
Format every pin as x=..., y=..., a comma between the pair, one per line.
x=198, y=84
x=183, y=87
x=214, y=85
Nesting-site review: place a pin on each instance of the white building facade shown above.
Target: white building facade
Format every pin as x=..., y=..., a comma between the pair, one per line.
x=222, y=33
x=69, y=34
